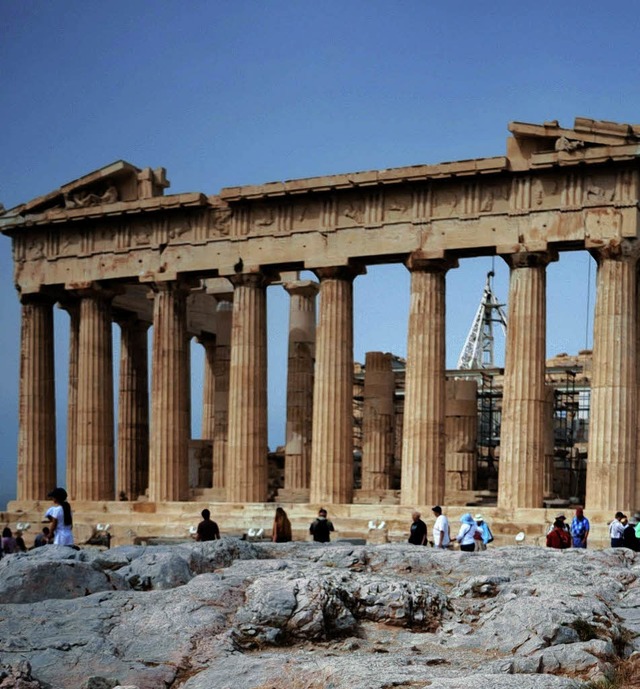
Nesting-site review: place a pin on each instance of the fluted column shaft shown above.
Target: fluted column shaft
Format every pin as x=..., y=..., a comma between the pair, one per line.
x=332, y=432
x=224, y=313
x=37, y=419
x=168, y=456
x=461, y=430
x=247, y=441
x=208, y=343
x=521, y=470
x=94, y=435
x=300, y=372
x=377, y=421
x=611, y=470
x=133, y=409
x=72, y=307
x=423, y=445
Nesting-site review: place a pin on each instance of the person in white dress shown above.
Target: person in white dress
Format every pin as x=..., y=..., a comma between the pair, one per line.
x=61, y=521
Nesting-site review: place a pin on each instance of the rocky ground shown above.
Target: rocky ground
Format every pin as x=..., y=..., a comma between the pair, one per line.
x=238, y=615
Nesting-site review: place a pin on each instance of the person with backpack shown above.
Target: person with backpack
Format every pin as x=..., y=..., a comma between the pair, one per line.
x=467, y=532
x=558, y=538
x=579, y=529
x=321, y=527
x=483, y=535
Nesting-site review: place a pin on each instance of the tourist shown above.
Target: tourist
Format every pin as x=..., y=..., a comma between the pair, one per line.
x=629, y=535
x=321, y=527
x=558, y=536
x=466, y=535
x=60, y=518
x=441, y=537
x=579, y=529
x=629, y=538
x=207, y=529
x=281, y=531
x=21, y=546
x=485, y=533
x=418, y=533
x=9, y=545
x=616, y=531
x=42, y=538
x=563, y=520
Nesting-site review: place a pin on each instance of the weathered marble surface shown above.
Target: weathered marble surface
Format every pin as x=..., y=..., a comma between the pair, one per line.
x=239, y=615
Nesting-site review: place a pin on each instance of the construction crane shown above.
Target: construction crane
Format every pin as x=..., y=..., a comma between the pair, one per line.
x=478, y=350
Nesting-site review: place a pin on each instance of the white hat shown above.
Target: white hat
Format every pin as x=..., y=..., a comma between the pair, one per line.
x=478, y=518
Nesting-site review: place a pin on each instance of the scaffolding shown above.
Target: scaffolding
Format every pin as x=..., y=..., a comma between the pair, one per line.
x=489, y=420
x=571, y=402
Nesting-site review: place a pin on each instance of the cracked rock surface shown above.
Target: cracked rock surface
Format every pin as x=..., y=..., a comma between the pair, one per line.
x=236, y=615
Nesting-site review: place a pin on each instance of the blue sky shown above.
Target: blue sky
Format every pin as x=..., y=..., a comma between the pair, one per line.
x=226, y=93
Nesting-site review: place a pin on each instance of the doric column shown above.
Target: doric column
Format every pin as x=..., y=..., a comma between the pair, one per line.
x=133, y=408
x=72, y=307
x=208, y=343
x=302, y=339
x=521, y=468
x=168, y=455
x=247, y=441
x=332, y=433
x=611, y=470
x=461, y=430
x=37, y=409
x=423, y=446
x=224, y=313
x=94, y=434
x=377, y=421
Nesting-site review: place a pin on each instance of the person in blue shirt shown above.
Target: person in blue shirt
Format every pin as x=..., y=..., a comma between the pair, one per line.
x=485, y=532
x=579, y=529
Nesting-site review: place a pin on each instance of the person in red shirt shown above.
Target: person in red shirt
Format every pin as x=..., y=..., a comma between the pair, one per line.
x=558, y=537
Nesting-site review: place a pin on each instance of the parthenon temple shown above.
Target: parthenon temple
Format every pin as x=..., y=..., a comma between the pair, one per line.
x=113, y=246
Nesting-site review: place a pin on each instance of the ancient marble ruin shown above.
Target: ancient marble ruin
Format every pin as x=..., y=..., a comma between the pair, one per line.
x=113, y=246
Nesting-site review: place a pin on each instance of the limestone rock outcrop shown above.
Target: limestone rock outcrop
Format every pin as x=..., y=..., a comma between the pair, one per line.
x=250, y=616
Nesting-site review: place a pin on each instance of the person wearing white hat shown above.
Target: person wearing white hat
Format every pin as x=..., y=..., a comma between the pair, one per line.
x=485, y=532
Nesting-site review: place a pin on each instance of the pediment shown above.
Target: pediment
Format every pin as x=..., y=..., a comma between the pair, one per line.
x=532, y=144
x=585, y=131
x=114, y=183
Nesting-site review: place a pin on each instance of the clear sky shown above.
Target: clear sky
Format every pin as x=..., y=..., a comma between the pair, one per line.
x=245, y=92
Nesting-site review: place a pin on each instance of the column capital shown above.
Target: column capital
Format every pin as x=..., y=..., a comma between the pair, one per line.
x=302, y=288
x=172, y=286
x=93, y=290
x=530, y=259
x=256, y=279
x=418, y=261
x=37, y=298
x=349, y=272
x=616, y=250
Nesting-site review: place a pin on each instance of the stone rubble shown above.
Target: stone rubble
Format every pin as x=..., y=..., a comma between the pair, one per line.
x=237, y=615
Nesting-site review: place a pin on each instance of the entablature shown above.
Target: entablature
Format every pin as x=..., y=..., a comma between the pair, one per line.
x=547, y=192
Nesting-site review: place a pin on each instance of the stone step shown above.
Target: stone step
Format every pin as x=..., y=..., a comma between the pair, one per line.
x=134, y=520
